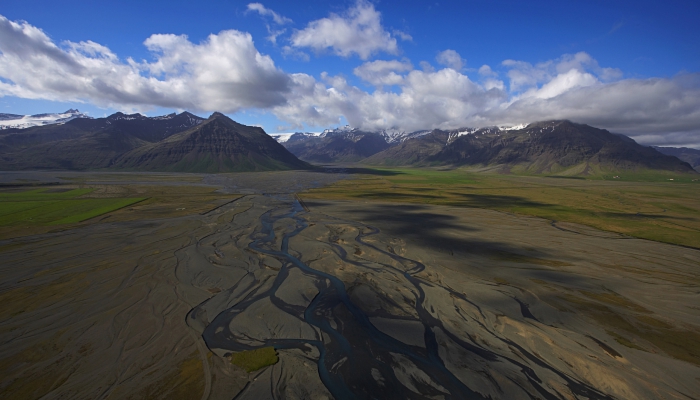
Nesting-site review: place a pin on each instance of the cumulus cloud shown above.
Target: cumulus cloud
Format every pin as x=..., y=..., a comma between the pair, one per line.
x=438, y=99
x=653, y=111
x=358, y=31
x=524, y=75
x=485, y=70
x=402, y=35
x=642, y=108
x=451, y=59
x=266, y=12
x=381, y=72
x=224, y=72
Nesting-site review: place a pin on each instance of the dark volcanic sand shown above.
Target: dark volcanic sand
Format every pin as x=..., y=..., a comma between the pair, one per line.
x=361, y=300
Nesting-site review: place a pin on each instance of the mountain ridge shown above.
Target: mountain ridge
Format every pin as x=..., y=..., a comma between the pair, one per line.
x=218, y=144
x=543, y=147
x=114, y=142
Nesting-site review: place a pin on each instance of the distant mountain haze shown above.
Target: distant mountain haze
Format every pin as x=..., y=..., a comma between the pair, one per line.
x=691, y=156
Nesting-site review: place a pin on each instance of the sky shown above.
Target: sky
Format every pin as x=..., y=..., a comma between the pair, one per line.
x=631, y=67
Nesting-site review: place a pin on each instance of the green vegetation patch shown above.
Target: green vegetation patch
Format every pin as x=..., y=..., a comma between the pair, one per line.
x=253, y=360
x=42, y=207
x=646, y=204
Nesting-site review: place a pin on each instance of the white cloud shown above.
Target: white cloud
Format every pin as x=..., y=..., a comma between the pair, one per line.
x=653, y=111
x=637, y=107
x=451, y=59
x=443, y=98
x=225, y=72
x=485, y=70
x=359, y=31
x=402, y=35
x=426, y=66
x=381, y=72
x=291, y=52
x=494, y=84
x=266, y=12
x=562, y=83
x=524, y=76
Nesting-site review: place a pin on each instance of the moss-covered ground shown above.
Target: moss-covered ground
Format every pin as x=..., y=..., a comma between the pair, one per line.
x=658, y=206
x=253, y=360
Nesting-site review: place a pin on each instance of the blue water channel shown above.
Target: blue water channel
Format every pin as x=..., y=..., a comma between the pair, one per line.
x=353, y=352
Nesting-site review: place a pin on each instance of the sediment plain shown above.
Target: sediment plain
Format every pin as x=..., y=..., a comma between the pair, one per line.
x=360, y=299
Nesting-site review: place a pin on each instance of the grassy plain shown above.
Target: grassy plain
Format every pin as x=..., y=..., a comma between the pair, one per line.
x=649, y=205
x=55, y=206
x=27, y=212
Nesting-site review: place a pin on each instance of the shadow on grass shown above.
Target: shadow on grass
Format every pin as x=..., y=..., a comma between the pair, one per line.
x=358, y=170
x=390, y=195
x=566, y=177
x=496, y=201
x=417, y=225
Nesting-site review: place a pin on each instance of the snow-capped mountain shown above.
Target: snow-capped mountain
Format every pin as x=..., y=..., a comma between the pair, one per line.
x=8, y=121
x=284, y=137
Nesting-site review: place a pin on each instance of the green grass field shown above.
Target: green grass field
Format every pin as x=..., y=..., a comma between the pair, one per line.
x=658, y=206
x=41, y=207
x=253, y=360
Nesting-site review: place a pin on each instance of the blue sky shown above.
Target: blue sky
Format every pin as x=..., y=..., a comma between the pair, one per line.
x=631, y=67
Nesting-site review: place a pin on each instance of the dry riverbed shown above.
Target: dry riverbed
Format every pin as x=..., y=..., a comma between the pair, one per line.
x=358, y=298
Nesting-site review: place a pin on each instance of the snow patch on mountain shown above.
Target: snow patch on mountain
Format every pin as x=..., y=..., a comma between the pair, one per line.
x=466, y=131
x=8, y=121
x=284, y=137
x=513, y=128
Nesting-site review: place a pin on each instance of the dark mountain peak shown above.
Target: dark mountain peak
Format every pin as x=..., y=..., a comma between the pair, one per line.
x=217, y=114
x=218, y=144
x=72, y=111
x=554, y=123
x=189, y=114
x=117, y=116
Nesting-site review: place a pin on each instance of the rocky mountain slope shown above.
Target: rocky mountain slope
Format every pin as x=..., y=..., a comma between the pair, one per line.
x=344, y=144
x=86, y=143
x=137, y=142
x=339, y=145
x=691, y=156
x=218, y=144
x=542, y=147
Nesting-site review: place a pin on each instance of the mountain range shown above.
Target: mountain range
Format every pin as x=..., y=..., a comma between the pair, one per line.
x=16, y=121
x=177, y=142
x=548, y=147
x=187, y=143
x=691, y=156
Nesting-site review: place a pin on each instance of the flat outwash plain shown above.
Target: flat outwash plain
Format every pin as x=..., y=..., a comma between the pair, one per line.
x=194, y=286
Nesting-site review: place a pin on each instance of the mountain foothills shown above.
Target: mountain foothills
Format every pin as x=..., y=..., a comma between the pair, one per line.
x=549, y=147
x=691, y=156
x=176, y=142
x=188, y=143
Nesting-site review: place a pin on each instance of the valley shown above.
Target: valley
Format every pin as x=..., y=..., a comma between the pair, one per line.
x=375, y=200
x=366, y=282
